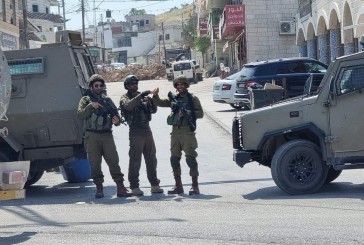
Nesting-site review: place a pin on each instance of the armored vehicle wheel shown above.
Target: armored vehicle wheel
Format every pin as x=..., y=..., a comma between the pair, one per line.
x=33, y=177
x=238, y=107
x=332, y=175
x=297, y=167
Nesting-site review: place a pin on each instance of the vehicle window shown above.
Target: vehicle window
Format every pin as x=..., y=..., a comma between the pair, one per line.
x=233, y=76
x=289, y=67
x=248, y=71
x=313, y=67
x=351, y=79
x=182, y=66
x=266, y=70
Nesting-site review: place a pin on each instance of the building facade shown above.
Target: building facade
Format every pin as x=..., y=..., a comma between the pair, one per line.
x=327, y=29
x=243, y=31
x=9, y=25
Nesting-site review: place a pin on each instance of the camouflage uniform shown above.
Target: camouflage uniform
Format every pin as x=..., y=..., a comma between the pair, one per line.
x=99, y=141
x=182, y=137
x=138, y=114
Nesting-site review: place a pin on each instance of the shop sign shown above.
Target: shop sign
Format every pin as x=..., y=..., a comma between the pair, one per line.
x=203, y=26
x=234, y=16
x=8, y=41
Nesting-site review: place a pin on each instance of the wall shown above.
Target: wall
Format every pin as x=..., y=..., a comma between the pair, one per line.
x=262, y=27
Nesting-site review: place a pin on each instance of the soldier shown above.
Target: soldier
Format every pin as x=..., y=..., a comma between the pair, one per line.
x=138, y=109
x=99, y=141
x=182, y=137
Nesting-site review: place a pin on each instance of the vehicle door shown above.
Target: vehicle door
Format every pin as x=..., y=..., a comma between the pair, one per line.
x=346, y=113
x=184, y=68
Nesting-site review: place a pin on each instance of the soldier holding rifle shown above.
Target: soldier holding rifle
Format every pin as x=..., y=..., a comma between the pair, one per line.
x=186, y=108
x=99, y=114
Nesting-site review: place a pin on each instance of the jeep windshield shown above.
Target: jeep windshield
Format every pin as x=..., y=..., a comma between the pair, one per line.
x=182, y=66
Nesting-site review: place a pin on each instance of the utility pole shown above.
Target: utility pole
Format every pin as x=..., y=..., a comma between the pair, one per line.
x=64, y=16
x=164, y=45
x=83, y=19
x=25, y=29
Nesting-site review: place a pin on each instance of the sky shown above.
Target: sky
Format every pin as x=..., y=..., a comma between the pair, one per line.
x=119, y=8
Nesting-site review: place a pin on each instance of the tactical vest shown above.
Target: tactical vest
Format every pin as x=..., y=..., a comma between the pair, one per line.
x=98, y=122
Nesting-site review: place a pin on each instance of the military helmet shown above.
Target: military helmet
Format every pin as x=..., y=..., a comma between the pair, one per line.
x=180, y=79
x=129, y=79
x=95, y=78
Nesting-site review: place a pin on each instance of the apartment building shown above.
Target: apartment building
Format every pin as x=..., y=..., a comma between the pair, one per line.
x=9, y=25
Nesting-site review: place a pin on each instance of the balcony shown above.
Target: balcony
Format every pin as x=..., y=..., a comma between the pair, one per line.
x=232, y=21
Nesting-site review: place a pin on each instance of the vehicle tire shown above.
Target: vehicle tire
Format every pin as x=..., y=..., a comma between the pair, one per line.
x=332, y=175
x=34, y=177
x=238, y=107
x=297, y=167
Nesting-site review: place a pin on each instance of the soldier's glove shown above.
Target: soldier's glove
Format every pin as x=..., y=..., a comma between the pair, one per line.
x=145, y=93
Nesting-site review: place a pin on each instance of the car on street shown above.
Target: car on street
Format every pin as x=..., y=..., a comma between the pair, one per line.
x=289, y=73
x=224, y=89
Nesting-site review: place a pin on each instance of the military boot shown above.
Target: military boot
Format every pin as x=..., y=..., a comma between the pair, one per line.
x=178, y=188
x=99, y=191
x=121, y=190
x=194, y=189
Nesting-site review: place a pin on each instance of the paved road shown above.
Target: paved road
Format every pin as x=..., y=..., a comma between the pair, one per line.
x=237, y=206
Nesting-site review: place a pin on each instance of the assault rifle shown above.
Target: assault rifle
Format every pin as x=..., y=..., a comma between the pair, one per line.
x=107, y=108
x=183, y=110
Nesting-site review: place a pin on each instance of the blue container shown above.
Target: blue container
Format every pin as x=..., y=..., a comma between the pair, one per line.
x=76, y=171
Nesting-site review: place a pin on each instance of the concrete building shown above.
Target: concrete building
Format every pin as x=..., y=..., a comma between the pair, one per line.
x=242, y=31
x=327, y=29
x=43, y=23
x=9, y=27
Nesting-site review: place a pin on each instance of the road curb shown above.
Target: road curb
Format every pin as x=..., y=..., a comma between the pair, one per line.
x=218, y=122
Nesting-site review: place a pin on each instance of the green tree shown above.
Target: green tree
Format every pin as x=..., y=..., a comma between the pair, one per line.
x=202, y=44
x=189, y=32
x=135, y=11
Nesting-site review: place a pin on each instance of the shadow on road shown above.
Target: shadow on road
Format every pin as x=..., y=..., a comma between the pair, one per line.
x=16, y=239
x=332, y=190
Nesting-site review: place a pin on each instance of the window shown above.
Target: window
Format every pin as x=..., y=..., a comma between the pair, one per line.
x=351, y=79
x=312, y=67
x=182, y=66
x=13, y=7
x=35, y=8
x=122, y=42
x=27, y=66
x=40, y=28
x=4, y=10
x=167, y=36
x=147, y=22
x=160, y=37
x=47, y=10
x=289, y=67
x=141, y=23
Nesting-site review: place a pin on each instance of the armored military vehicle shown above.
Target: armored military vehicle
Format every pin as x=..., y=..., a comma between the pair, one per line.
x=47, y=84
x=308, y=140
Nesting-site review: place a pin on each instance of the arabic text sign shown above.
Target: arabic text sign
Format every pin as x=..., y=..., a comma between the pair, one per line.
x=203, y=26
x=234, y=16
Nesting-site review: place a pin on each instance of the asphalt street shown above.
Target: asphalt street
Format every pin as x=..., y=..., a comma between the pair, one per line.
x=237, y=205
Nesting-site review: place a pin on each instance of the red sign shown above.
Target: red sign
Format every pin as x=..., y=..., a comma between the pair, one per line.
x=203, y=26
x=116, y=29
x=234, y=16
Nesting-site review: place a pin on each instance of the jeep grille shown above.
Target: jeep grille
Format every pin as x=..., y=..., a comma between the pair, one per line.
x=237, y=134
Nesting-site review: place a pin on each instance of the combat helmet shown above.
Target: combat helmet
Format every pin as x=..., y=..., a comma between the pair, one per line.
x=180, y=79
x=95, y=78
x=129, y=79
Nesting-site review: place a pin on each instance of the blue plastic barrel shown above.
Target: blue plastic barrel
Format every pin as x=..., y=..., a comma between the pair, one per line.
x=76, y=171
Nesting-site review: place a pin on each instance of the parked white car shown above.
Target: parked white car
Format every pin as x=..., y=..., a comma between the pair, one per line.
x=223, y=91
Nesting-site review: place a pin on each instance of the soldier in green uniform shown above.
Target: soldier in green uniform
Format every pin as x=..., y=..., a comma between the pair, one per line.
x=182, y=137
x=99, y=141
x=138, y=109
